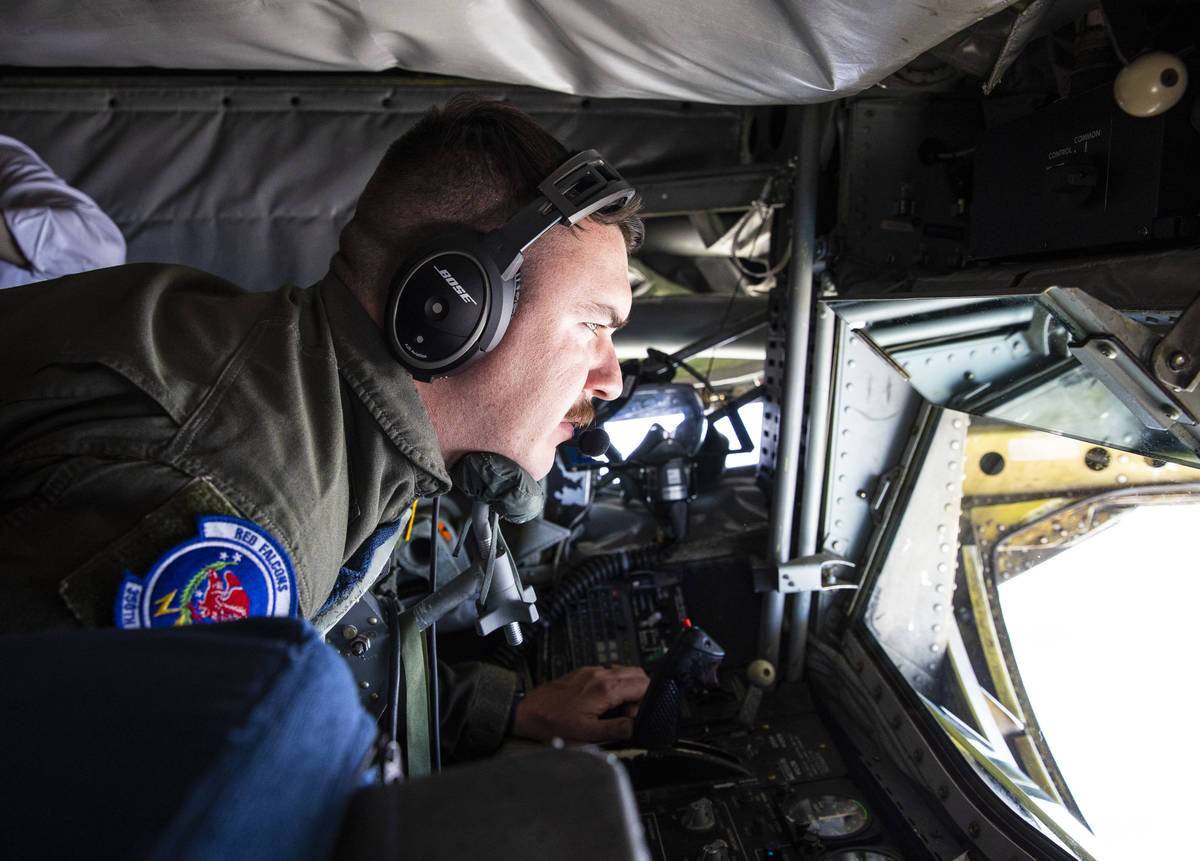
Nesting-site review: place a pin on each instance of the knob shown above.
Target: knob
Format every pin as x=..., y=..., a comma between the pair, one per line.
x=1151, y=84
x=718, y=850
x=761, y=673
x=699, y=815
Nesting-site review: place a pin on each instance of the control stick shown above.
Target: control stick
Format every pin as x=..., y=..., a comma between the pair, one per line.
x=691, y=660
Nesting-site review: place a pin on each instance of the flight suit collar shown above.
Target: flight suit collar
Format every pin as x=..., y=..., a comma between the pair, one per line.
x=384, y=387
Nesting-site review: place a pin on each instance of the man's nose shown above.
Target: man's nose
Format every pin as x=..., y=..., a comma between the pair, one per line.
x=604, y=381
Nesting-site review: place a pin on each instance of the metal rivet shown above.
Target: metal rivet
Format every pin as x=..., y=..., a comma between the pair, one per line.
x=1178, y=360
x=1107, y=350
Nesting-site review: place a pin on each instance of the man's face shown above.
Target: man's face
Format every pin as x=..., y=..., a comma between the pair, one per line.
x=557, y=354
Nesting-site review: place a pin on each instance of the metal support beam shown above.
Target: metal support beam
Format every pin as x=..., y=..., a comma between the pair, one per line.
x=799, y=311
x=816, y=457
x=729, y=188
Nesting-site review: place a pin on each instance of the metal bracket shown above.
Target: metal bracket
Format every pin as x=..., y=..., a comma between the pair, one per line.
x=1155, y=376
x=814, y=573
x=1176, y=359
x=510, y=601
x=1109, y=361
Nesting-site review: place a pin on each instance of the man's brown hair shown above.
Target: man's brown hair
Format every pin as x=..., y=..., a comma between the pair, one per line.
x=471, y=163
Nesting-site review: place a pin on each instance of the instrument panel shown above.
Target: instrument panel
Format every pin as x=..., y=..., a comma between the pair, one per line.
x=796, y=799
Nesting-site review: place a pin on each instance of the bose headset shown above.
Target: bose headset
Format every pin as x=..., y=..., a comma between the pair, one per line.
x=451, y=301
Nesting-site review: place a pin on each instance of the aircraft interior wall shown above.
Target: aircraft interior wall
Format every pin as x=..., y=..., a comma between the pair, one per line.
x=960, y=296
x=253, y=179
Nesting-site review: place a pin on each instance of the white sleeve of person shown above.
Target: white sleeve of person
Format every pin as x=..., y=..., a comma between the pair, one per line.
x=59, y=229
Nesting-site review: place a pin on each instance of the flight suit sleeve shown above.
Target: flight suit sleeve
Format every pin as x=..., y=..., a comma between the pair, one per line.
x=476, y=702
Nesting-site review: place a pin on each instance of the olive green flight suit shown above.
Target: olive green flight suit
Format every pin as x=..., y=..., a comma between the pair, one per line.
x=136, y=398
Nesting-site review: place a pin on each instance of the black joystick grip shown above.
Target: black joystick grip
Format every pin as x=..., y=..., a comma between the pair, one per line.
x=692, y=660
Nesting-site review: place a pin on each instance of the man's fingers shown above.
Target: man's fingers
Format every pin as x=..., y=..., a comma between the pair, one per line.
x=628, y=672
x=626, y=688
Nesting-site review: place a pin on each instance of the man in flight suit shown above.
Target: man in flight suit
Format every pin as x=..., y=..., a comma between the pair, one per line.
x=152, y=413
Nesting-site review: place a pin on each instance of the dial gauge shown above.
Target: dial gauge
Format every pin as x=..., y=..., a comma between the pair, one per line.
x=829, y=816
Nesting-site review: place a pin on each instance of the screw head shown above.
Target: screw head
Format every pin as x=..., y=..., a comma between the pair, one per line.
x=1177, y=360
x=1107, y=350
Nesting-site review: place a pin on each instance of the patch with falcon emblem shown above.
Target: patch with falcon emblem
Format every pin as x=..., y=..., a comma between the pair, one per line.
x=231, y=570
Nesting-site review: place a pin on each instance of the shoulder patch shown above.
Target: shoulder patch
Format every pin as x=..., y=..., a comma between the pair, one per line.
x=231, y=570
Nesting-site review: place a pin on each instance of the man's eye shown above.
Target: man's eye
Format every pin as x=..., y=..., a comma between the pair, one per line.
x=593, y=327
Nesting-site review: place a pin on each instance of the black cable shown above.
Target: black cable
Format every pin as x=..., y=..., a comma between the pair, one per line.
x=392, y=606
x=576, y=582
x=699, y=376
x=434, y=702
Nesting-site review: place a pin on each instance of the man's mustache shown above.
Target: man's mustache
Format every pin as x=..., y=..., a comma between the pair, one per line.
x=582, y=414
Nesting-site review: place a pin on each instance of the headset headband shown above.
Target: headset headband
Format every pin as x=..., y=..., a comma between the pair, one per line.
x=583, y=184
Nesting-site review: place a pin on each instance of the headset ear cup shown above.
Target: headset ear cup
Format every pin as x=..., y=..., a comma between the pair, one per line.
x=445, y=306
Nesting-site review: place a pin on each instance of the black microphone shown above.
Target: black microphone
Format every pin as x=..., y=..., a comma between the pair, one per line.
x=593, y=442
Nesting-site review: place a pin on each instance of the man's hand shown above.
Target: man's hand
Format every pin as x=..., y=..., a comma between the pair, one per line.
x=570, y=707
